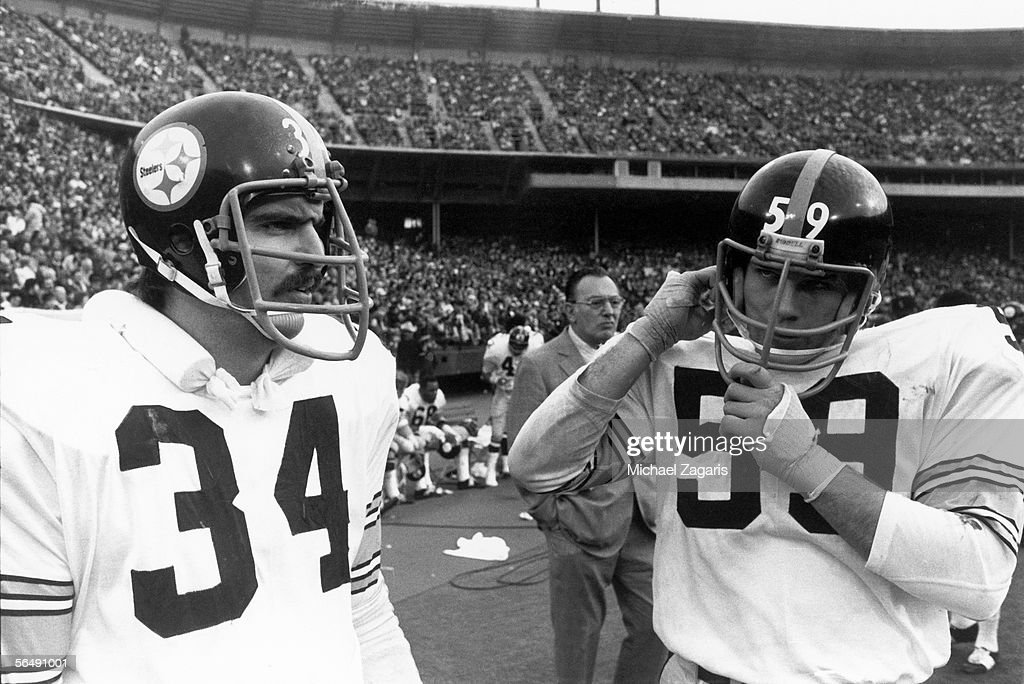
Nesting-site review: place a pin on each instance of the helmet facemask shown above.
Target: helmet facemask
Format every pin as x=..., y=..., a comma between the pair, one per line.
x=186, y=184
x=806, y=215
x=518, y=339
x=343, y=263
x=787, y=256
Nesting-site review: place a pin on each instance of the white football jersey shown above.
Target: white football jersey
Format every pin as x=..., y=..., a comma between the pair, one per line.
x=743, y=565
x=417, y=411
x=187, y=540
x=500, y=364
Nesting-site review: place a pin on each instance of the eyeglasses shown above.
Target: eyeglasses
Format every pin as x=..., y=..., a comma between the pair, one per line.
x=598, y=303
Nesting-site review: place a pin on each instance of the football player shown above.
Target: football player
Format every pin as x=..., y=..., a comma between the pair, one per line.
x=421, y=404
x=405, y=445
x=501, y=359
x=824, y=495
x=191, y=475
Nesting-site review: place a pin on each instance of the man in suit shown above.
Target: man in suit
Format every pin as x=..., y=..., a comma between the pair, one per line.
x=598, y=536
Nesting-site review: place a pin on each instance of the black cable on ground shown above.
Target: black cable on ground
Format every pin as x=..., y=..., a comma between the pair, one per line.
x=507, y=570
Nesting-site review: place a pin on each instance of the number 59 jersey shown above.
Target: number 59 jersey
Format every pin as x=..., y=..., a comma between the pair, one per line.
x=928, y=406
x=159, y=535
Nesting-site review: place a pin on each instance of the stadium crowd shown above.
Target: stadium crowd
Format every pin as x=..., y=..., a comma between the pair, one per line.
x=61, y=239
x=551, y=108
x=146, y=69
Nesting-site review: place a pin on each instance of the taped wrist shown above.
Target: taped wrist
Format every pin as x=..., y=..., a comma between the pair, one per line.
x=812, y=472
x=654, y=337
x=790, y=431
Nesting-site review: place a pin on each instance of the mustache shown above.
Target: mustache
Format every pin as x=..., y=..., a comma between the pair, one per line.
x=307, y=276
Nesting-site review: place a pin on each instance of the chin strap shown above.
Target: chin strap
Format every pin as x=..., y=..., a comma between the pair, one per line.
x=213, y=271
x=214, y=274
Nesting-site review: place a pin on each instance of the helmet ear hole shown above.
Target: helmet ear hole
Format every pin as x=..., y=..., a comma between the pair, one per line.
x=182, y=239
x=234, y=269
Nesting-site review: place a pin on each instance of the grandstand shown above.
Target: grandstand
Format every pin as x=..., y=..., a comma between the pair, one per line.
x=625, y=136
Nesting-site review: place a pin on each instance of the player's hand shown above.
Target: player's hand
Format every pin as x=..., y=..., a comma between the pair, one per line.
x=678, y=311
x=751, y=396
x=758, y=406
x=679, y=304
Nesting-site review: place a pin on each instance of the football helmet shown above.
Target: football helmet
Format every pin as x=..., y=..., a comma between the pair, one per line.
x=455, y=437
x=1012, y=309
x=518, y=339
x=184, y=185
x=815, y=213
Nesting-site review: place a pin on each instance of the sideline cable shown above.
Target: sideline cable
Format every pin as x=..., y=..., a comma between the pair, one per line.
x=507, y=570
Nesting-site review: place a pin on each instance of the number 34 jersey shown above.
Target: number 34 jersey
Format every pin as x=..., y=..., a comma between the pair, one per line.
x=172, y=538
x=923, y=407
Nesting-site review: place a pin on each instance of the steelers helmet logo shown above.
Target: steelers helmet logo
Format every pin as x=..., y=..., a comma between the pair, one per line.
x=170, y=166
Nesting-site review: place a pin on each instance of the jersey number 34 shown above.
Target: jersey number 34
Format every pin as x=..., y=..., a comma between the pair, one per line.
x=313, y=427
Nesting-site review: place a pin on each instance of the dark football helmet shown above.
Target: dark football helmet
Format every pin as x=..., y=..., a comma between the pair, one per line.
x=816, y=213
x=518, y=339
x=185, y=182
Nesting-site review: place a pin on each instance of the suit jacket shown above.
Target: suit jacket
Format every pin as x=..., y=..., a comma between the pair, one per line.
x=596, y=519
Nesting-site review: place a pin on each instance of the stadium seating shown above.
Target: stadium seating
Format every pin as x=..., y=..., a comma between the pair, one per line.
x=61, y=240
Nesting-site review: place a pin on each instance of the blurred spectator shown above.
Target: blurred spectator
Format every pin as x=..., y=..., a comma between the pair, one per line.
x=954, y=298
x=903, y=305
x=407, y=352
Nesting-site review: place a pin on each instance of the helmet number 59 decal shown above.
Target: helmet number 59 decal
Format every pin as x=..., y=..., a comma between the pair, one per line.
x=817, y=215
x=297, y=133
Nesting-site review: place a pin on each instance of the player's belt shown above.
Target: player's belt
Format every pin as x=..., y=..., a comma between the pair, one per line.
x=708, y=677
